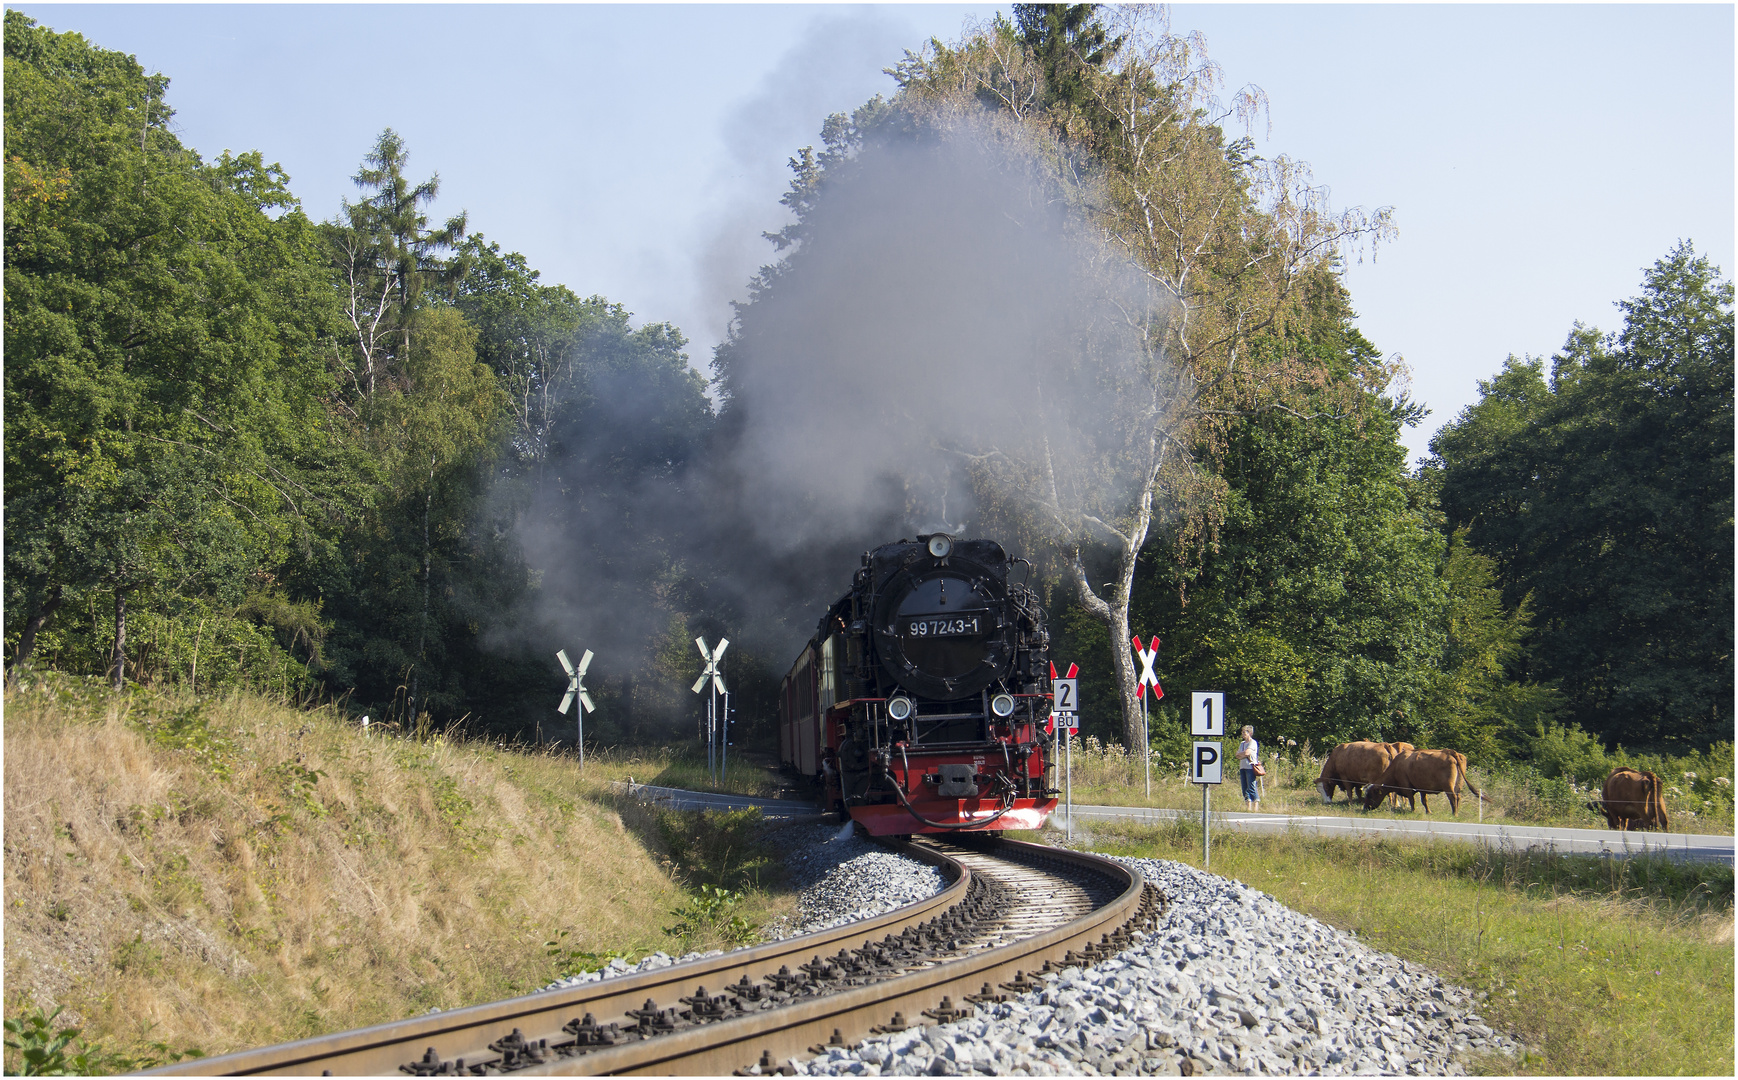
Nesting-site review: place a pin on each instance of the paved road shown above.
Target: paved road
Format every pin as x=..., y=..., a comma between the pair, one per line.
x=1691, y=846
x=682, y=799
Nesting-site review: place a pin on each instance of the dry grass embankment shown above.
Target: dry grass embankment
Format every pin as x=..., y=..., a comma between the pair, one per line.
x=225, y=873
x=1603, y=967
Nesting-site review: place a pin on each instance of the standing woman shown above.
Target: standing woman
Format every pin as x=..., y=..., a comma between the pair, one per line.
x=1248, y=758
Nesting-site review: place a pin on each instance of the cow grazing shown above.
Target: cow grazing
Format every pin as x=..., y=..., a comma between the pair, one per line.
x=1634, y=799
x=1422, y=773
x=1351, y=766
x=1395, y=749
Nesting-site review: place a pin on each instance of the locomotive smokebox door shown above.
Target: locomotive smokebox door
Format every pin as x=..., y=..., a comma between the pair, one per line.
x=957, y=782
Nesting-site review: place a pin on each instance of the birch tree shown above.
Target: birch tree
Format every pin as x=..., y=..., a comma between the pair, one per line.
x=1226, y=243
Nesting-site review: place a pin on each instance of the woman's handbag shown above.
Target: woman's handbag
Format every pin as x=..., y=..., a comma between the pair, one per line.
x=1259, y=771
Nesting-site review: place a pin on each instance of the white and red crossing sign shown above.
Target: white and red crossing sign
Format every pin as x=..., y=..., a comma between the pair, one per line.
x=1149, y=677
x=1064, y=700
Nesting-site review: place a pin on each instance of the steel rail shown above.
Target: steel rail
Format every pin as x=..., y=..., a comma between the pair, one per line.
x=526, y=1034
x=466, y=1032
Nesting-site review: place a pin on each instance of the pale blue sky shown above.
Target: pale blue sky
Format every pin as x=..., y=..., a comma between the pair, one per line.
x=1538, y=157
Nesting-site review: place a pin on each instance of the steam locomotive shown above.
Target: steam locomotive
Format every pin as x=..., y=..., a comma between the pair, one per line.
x=918, y=705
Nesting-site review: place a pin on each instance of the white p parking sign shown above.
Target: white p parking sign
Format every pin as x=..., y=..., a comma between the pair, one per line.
x=1206, y=764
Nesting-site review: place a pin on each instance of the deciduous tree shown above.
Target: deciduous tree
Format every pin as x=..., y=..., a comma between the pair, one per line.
x=165, y=320
x=1606, y=495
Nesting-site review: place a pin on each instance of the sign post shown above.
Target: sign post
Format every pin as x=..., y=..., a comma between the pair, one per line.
x=1065, y=711
x=576, y=689
x=1207, y=762
x=711, y=672
x=1148, y=678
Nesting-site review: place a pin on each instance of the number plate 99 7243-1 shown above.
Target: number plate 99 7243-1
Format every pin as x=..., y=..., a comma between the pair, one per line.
x=943, y=626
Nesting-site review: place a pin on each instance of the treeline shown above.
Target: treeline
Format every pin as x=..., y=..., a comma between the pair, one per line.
x=248, y=448
x=376, y=456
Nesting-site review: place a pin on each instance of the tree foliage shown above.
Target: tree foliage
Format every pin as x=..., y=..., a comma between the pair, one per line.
x=1605, y=494
x=164, y=321
x=1318, y=607
x=528, y=334
x=387, y=256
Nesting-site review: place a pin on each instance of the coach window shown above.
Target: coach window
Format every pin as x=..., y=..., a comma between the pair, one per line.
x=829, y=672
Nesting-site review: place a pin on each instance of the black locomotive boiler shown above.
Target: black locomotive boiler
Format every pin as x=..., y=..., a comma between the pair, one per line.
x=917, y=706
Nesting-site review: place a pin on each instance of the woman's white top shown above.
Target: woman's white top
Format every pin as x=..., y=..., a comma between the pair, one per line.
x=1253, y=749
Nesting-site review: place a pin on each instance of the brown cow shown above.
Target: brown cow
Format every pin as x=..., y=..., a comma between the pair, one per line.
x=1422, y=773
x=1633, y=799
x=1351, y=766
x=1395, y=749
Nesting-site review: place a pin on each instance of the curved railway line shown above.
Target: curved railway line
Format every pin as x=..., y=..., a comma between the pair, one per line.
x=1010, y=909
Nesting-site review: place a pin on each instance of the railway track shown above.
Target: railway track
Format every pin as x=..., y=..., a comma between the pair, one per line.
x=1010, y=910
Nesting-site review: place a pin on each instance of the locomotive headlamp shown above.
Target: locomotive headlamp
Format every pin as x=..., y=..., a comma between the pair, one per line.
x=940, y=544
x=1002, y=705
x=899, y=707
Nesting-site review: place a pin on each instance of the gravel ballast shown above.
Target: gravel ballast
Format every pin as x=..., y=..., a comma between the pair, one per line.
x=1232, y=981
x=845, y=877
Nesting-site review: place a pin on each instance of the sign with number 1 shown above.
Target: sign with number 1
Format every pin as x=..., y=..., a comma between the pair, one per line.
x=1206, y=713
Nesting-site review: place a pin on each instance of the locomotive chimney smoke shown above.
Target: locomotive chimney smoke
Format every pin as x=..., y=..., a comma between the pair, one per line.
x=607, y=543
x=949, y=345
x=836, y=65
x=949, y=326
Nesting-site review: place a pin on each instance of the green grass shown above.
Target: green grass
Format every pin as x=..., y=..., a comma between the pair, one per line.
x=1109, y=775
x=684, y=766
x=1601, y=967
